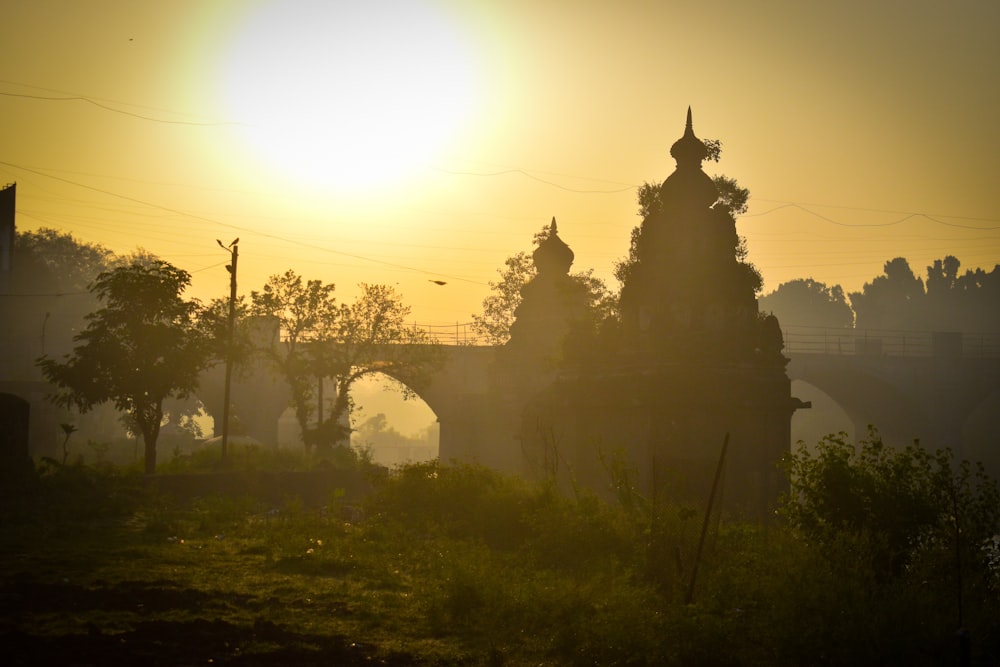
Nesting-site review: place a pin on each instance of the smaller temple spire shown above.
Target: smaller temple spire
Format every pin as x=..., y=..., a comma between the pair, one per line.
x=552, y=254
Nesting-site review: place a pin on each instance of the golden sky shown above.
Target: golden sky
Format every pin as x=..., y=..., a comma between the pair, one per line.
x=400, y=142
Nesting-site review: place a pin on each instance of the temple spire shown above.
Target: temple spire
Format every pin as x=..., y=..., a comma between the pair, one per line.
x=689, y=150
x=552, y=254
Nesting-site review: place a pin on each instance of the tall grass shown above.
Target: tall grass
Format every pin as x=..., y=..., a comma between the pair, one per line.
x=459, y=564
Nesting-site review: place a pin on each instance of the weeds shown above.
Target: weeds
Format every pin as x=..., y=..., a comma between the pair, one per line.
x=457, y=565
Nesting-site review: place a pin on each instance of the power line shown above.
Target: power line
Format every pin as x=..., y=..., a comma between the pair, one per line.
x=103, y=103
x=237, y=227
x=906, y=216
x=78, y=98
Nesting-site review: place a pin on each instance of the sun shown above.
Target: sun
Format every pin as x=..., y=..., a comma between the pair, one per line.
x=347, y=95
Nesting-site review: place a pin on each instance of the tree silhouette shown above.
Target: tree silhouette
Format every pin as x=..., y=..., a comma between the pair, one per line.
x=53, y=270
x=890, y=301
x=138, y=349
x=321, y=339
x=968, y=302
x=805, y=302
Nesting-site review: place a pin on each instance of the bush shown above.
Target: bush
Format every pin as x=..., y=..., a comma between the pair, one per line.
x=903, y=536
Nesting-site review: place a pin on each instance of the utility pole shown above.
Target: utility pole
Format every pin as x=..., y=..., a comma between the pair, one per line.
x=234, y=251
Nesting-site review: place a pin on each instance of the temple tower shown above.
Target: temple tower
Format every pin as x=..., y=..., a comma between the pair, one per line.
x=551, y=303
x=694, y=364
x=688, y=294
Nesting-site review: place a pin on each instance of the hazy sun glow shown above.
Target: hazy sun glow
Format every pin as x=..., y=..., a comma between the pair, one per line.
x=348, y=95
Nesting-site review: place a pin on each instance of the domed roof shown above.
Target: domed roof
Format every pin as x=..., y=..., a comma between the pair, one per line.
x=553, y=255
x=689, y=183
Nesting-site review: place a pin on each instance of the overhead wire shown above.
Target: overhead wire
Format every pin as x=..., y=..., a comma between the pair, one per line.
x=105, y=104
x=236, y=227
x=807, y=208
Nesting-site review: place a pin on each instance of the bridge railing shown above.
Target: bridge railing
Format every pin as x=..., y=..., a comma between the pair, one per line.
x=459, y=333
x=814, y=340
x=875, y=342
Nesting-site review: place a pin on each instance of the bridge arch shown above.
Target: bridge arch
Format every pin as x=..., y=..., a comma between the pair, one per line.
x=867, y=394
x=453, y=391
x=824, y=416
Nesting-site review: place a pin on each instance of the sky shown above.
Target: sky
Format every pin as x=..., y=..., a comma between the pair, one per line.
x=407, y=142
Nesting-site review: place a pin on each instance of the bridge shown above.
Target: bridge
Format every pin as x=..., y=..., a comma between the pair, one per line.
x=910, y=385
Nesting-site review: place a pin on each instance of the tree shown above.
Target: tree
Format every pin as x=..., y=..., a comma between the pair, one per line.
x=969, y=302
x=138, y=349
x=948, y=301
x=890, y=301
x=52, y=270
x=58, y=261
x=498, y=307
x=300, y=310
x=371, y=336
x=505, y=295
x=805, y=302
x=321, y=339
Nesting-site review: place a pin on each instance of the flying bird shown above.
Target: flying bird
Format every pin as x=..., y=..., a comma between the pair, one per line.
x=437, y=282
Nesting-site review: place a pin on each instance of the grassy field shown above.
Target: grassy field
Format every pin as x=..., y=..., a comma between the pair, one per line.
x=438, y=565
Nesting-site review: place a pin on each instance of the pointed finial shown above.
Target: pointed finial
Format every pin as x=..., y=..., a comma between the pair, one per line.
x=689, y=149
x=552, y=227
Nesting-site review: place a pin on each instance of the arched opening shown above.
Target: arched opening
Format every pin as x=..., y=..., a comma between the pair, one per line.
x=826, y=416
x=395, y=430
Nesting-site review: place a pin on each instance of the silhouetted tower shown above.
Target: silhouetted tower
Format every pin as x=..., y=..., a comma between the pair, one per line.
x=551, y=303
x=688, y=294
x=694, y=363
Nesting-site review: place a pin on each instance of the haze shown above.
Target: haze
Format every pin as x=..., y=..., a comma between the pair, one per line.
x=411, y=142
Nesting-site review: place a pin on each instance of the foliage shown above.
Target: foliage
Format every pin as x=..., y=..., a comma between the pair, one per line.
x=890, y=301
x=300, y=309
x=898, y=520
x=456, y=564
x=213, y=321
x=498, y=307
x=905, y=496
x=51, y=260
x=140, y=348
x=240, y=457
x=500, y=304
x=321, y=338
x=947, y=301
x=805, y=302
x=968, y=302
x=55, y=269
